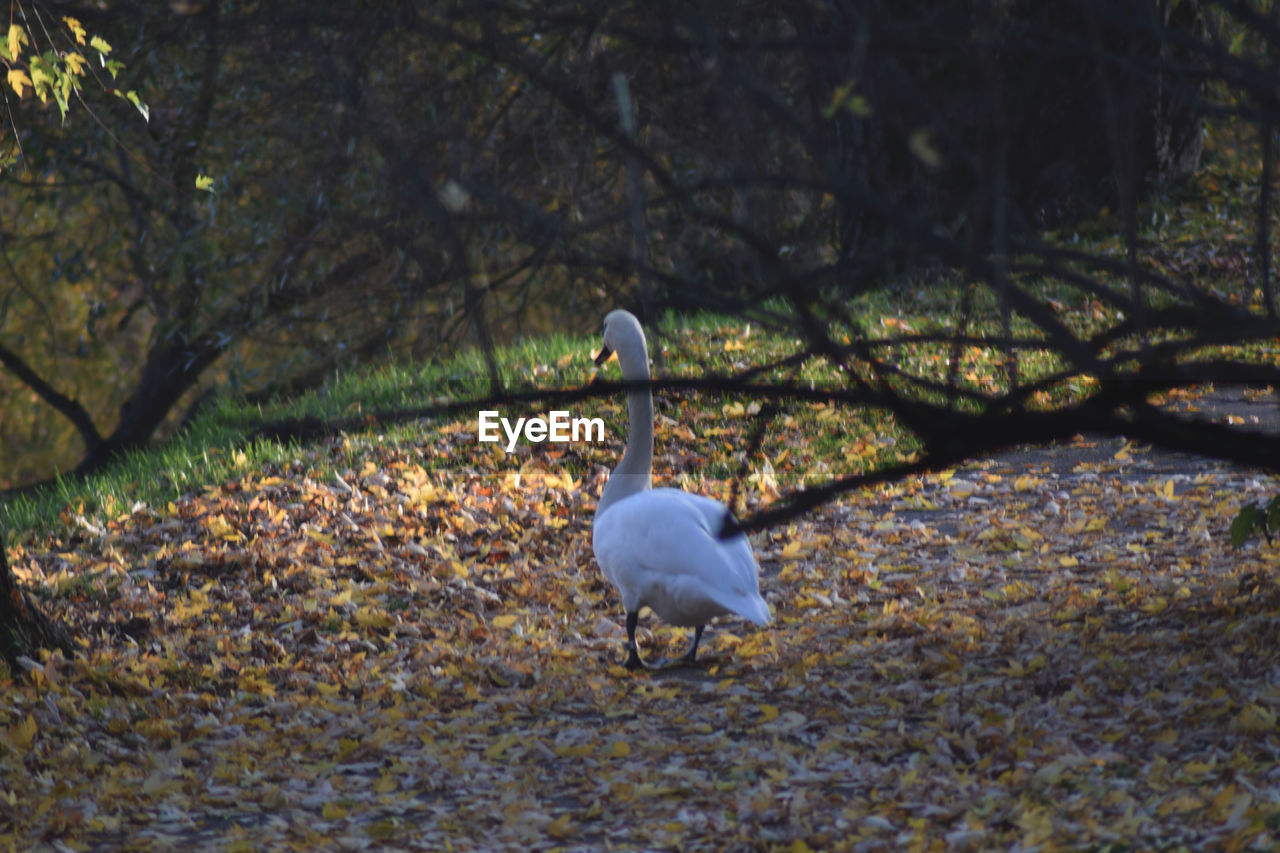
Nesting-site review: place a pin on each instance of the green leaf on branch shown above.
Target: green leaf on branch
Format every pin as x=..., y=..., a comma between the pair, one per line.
x=43, y=77
x=133, y=98
x=205, y=183
x=844, y=98
x=1264, y=518
x=54, y=73
x=60, y=97
x=1242, y=524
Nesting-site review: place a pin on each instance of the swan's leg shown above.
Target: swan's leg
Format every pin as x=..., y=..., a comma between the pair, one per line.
x=633, y=654
x=693, y=649
x=633, y=651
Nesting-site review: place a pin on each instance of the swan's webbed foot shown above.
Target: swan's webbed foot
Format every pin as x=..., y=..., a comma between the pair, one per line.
x=633, y=659
x=633, y=651
x=686, y=659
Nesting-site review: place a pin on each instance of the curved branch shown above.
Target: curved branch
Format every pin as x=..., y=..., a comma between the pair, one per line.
x=64, y=405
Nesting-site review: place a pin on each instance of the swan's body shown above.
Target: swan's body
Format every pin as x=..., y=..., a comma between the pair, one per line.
x=661, y=548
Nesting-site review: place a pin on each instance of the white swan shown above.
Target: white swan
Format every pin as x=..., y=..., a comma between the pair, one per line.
x=661, y=547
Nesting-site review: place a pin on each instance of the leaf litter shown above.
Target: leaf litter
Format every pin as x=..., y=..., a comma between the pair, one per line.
x=419, y=653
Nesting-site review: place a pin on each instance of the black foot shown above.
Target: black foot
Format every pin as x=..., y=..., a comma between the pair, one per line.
x=634, y=662
x=633, y=652
x=693, y=649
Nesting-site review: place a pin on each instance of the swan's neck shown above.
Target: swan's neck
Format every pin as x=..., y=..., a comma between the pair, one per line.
x=635, y=472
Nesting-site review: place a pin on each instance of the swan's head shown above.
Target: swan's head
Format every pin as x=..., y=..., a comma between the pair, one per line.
x=623, y=335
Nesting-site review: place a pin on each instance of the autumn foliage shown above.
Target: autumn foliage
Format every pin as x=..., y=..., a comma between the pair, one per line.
x=418, y=650
x=359, y=627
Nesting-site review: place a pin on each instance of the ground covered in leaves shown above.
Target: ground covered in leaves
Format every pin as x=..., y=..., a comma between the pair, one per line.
x=420, y=653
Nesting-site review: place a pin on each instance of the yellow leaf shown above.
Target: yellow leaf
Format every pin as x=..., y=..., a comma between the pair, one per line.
x=76, y=28
x=794, y=550
x=333, y=811
x=219, y=526
x=17, y=38
x=500, y=746
x=158, y=729
x=251, y=683
x=1196, y=768
x=768, y=712
x=1182, y=804
x=559, y=827
x=1123, y=453
x=619, y=749
x=1068, y=562
x=1166, y=491
x=22, y=735
x=18, y=79
x=75, y=63
x=506, y=620
x=1224, y=798
x=367, y=617
x=386, y=784
x=1256, y=720
x=923, y=147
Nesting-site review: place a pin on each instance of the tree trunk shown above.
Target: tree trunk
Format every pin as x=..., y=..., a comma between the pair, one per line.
x=170, y=372
x=24, y=627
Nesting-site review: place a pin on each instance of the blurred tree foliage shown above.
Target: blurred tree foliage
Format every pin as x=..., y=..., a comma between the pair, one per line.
x=323, y=184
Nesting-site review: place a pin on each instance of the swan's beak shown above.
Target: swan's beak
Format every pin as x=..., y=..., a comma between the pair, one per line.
x=603, y=356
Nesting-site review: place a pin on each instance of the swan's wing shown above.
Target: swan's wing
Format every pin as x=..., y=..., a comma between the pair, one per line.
x=742, y=560
x=662, y=549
